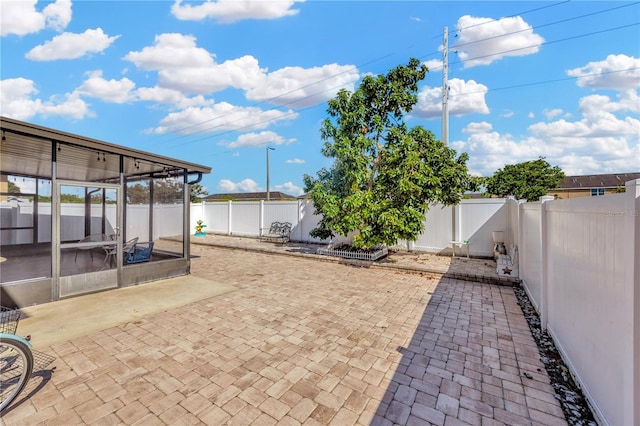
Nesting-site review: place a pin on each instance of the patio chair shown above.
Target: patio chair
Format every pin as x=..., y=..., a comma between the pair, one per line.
x=90, y=239
x=111, y=251
x=141, y=253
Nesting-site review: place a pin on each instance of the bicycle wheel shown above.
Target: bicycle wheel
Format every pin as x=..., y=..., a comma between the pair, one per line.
x=16, y=365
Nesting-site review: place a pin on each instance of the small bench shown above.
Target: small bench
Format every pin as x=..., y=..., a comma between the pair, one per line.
x=508, y=263
x=278, y=232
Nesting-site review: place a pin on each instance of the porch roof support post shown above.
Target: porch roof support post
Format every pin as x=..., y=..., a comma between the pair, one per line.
x=186, y=221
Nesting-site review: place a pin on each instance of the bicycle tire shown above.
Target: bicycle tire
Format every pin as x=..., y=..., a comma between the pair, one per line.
x=16, y=366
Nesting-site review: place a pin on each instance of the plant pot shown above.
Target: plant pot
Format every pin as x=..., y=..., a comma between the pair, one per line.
x=200, y=234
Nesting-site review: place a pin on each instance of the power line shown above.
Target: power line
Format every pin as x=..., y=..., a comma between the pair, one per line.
x=270, y=100
x=516, y=86
x=545, y=25
x=510, y=16
x=391, y=54
x=544, y=43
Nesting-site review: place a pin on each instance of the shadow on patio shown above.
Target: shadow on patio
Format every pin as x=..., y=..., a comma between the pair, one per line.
x=471, y=359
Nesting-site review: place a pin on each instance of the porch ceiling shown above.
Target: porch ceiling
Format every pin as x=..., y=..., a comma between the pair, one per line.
x=26, y=149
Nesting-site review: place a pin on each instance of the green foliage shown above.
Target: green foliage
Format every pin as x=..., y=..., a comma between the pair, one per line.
x=200, y=227
x=384, y=174
x=620, y=189
x=164, y=192
x=197, y=192
x=13, y=188
x=529, y=180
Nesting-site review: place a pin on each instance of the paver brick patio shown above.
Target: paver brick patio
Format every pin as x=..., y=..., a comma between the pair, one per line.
x=305, y=342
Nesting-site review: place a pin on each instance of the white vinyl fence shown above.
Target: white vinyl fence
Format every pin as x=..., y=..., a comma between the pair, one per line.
x=472, y=220
x=580, y=264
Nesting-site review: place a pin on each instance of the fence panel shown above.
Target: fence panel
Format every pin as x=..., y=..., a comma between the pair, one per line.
x=245, y=218
x=587, y=292
x=438, y=226
x=280, y=211
x=478, y=219
x=530, y=262
x=309, y=221
x=167, y=221
x=216, y=217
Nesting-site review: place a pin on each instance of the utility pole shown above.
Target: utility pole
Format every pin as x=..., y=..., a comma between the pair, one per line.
x=269, y=148
x=445, y=88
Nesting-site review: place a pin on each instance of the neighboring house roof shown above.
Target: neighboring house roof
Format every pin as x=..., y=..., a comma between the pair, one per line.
x=249, y=196
x=612, y=180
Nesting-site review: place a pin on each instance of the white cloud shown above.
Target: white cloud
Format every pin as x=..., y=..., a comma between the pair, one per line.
x=473, y=128
x=114, y=91
x=302, y=87
x=295, y=161
x=507, y=114
x=531, y=115
x=220, y=117
x=246, y=185
x=227, y=11
x=552, y=113
x=171, y=50
x=185, y=67
x=615, y=72
x=170, y=97
x=258, y=139
x=599, y=142
x=433, y=64
x=289, y=188
x=482, y=41
x=249, y=185
x=465, y=97
x=21, y=17
x=16, y=101
x=71, y=46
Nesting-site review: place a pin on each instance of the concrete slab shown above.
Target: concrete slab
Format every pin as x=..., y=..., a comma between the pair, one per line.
x=64, y=320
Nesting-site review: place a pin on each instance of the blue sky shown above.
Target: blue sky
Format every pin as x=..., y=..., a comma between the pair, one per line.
x=217, y=82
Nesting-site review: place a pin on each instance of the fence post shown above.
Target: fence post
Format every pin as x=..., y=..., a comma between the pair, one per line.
x=261, y=217
x=299, y=203
x=522, y=251
x=229, y=209
x=457, y=217
x=544, y=281
x=631, y=381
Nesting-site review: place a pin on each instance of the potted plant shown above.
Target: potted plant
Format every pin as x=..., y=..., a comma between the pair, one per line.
x=199, y=228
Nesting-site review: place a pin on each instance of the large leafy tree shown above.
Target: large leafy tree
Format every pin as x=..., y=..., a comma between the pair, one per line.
x=384, y=174
x=529, y=180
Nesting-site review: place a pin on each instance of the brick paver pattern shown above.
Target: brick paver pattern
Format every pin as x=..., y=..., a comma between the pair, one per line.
x=305, y=342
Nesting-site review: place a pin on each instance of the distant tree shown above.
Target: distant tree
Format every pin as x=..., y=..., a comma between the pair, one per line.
x=529, y=180
x=13, y=188
x=384, y=174
x=197, y=192
x=164, y=192
x=138, y=194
